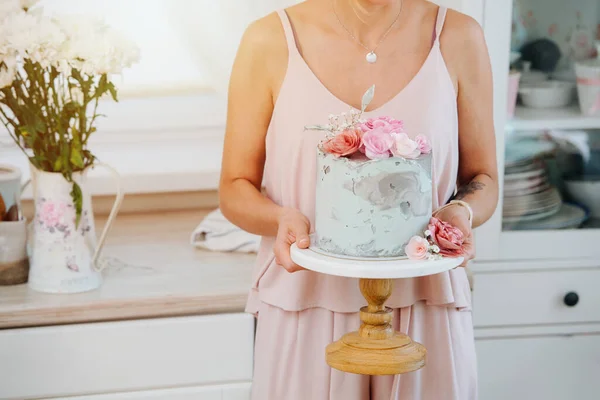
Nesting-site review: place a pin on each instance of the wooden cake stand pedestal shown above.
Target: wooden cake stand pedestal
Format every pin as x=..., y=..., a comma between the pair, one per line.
x=376, y=349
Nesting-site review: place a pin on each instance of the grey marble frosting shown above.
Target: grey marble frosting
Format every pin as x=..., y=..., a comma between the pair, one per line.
x=371, y=208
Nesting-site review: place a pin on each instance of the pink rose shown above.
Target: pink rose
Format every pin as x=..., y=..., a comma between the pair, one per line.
x=424, y=144
x=385, y=124
x=49, y=214
x=417, y=248
x=344, y=144
x=52, y=214
x=448, y=238
x=405, y=146
x=377, y=144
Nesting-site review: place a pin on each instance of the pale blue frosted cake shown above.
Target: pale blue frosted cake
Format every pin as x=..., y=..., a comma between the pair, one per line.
x=371, y=208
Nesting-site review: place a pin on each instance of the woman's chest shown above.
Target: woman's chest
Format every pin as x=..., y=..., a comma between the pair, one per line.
x=346, y=75
x=423, y=110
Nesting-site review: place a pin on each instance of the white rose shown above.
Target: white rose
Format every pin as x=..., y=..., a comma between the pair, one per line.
x=9, y=7
x=27, y=4
x=32, y=36
x=94, y=48
x=8, y=70
x=405, y=146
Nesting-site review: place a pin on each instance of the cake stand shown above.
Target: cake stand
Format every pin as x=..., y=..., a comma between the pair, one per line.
x=375, y=349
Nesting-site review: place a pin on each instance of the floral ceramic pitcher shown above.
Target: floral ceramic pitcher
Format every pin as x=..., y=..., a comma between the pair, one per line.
x=63, y=254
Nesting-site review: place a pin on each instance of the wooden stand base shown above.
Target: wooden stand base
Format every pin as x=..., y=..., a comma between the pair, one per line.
x=376, y=349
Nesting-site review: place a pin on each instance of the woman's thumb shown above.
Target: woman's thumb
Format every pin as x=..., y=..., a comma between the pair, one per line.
x=302, y=240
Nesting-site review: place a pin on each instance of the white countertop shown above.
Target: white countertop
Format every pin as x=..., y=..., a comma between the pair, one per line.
x=161, y=275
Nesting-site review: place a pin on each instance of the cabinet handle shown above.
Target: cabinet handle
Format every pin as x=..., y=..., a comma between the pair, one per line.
x=571, y=299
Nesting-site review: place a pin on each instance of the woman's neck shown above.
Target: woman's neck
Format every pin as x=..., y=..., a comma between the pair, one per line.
x=368, y=20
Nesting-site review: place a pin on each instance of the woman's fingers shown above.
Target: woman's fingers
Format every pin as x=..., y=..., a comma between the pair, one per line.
x=469, y=251
x=282, y=255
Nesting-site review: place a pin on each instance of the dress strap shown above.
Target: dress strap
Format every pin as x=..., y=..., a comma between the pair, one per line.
x=289, y=32
x=439, y=23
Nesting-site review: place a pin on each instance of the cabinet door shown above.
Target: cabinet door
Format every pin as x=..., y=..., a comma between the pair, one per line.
x=548, y=368
x=127, y=356
x=536, y=298
x=237, y=391
x=198, y=393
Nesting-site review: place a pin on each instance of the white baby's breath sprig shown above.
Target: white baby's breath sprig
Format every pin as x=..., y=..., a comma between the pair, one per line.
x=434, y=257
x=346, y=120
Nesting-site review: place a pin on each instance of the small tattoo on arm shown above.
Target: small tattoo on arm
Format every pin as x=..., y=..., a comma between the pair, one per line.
x=468, y=189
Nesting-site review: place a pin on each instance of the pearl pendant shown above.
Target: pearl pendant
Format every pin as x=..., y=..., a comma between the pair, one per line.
x=371, y=57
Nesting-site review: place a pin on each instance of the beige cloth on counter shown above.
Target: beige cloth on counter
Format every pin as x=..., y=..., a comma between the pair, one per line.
x=216, y=233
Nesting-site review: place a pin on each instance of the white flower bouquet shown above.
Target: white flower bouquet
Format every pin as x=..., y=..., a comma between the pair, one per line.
x=53, y=72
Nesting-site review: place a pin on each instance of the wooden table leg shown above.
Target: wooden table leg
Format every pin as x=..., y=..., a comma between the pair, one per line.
x=376, y=349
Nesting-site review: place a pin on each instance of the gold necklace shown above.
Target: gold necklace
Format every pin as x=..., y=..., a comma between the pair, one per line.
x=371, y=55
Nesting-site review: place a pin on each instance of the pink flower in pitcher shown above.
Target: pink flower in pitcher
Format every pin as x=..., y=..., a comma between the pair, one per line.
x=405, y=146
x=377, y=144
x=54, y=215
x=50, y=214
x=424, y=144
x=344, y=144
x=417, y=248
x=448, y=238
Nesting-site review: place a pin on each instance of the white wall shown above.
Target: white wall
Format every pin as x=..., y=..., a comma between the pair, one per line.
x=188, y=44
x=166, y=62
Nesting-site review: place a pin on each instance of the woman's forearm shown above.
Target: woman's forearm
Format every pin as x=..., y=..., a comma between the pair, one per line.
x=245, y=206
x=481, y=193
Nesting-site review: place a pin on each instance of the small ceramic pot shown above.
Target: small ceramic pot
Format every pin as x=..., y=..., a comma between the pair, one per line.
x=14, y=264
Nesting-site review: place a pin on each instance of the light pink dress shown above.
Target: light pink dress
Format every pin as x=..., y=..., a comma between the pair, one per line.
x=300, y=314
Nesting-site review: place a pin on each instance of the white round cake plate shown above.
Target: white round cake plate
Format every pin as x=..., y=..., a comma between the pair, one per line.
x=370, y=268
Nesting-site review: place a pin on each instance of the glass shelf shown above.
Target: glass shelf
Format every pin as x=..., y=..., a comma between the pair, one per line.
x=551, y=183
x=530, y=119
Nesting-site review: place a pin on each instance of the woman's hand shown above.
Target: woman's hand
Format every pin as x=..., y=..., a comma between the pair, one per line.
x=293, y=228
x=458, y=216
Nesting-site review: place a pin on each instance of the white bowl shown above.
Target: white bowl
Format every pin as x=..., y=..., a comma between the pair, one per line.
x=549, y=94
x=586, y=192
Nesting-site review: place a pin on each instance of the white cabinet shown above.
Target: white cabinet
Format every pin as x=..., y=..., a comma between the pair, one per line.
x=530, y=344
x=237, y=392
x=537, y=329
x=540, y=368
x=225, y=392
x=540, y=297
x=129, y=356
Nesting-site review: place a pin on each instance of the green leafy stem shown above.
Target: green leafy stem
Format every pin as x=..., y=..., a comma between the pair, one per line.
x=51, y=116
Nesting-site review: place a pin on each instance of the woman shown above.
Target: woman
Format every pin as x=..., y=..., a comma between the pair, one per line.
x=294, y=68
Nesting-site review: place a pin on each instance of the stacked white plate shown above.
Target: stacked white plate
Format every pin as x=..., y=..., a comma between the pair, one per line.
x=528, y=195
x=530, y=201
